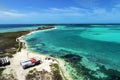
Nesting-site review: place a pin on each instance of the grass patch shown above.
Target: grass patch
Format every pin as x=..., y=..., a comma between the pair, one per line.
x=20, y=46
x=31, y=71
x=57, y=68
x=56, y=72
x=1, y=71
x=8, y=42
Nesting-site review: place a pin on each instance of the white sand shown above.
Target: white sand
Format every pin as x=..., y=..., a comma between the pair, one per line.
x=20, y=73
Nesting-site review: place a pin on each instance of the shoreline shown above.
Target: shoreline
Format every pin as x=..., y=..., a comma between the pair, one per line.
x=25, y=49
x=30, y=54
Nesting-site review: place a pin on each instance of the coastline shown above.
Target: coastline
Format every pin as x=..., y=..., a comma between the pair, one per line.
x=25, y=53
x=76, y=70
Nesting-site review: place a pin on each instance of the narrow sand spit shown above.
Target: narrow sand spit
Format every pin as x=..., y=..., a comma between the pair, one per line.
x=20, y=73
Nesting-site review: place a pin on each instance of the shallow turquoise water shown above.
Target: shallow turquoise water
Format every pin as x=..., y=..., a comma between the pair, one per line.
x=102, y=34
x=99, y=45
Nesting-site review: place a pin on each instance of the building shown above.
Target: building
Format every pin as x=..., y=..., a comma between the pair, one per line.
x=30, y=62
x=4, y=61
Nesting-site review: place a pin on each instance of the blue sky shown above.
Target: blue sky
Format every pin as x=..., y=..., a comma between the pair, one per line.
x=59, y=11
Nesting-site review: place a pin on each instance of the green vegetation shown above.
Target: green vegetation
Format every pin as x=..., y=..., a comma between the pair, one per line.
x=31, y=71
x=56, y=72
x=7, y=77
x=39, y=75
x=57, y=68
x=20, y=46
x=45, y=27
x=44, y=75
x=1, y=71
x=8, y=44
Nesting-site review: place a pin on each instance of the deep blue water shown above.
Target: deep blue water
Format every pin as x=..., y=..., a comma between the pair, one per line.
x=17, y=27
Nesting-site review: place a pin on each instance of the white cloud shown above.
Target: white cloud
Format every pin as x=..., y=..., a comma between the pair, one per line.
x=68, y=13
x=11, y=14
x=59, y=12
x=69, y=9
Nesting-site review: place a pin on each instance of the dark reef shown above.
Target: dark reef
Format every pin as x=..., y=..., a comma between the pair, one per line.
x=88, y=74
x=72, y=58
x=112, y=74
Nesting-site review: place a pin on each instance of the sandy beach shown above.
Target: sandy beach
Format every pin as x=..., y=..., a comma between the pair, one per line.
x=24, y=54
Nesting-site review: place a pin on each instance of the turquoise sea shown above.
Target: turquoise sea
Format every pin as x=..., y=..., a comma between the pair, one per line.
x=91, y=52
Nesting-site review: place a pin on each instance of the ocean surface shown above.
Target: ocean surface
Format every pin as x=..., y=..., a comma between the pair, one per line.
x=91, y=52
x=17, y=27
